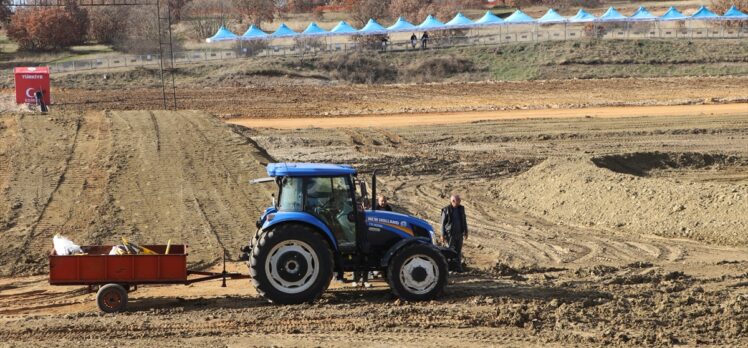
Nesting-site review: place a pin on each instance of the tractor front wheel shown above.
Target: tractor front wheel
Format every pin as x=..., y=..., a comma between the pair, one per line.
x=291, y=264
x=418, y=272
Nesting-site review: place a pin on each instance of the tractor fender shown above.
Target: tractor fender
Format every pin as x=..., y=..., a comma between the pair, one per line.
x=301, y=218
x=399, y=245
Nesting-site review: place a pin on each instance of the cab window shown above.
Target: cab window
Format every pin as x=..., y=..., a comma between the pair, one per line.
x=291, y=194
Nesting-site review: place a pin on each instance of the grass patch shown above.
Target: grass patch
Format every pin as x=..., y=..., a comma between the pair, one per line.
x=510, y=62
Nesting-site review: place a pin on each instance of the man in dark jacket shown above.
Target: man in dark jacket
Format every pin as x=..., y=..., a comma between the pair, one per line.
x=382, y=204
x=454, y=227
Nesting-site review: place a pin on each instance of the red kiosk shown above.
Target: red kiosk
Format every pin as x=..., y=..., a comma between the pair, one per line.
x=30, y=80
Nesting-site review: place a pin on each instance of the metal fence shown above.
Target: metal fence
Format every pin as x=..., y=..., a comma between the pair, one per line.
x=315, y=48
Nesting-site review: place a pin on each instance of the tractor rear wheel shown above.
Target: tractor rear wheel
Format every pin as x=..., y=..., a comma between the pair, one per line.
x=291, y=264
x=418, y=272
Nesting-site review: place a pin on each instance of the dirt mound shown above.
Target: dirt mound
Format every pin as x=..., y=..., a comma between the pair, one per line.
x=583, y=191
x=151, y=176
x=642, y=163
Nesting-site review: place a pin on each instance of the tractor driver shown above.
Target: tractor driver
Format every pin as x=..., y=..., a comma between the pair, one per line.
x=344, y=205
x=328, y=199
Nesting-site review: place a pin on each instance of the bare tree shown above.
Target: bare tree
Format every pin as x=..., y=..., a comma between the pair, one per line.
x=257, y=11
x=416, y=11
x=204, y=17
x=177, y=7
x=108, y=23
x=720, y=6
x=80, y=20
x=409, y=9
x=142, y=35
x=5, y=11
x=362, y=10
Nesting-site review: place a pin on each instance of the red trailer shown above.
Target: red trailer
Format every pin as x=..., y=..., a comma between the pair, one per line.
x=116, y=275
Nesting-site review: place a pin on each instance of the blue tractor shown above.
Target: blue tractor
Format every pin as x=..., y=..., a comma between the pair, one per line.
x=323, y=224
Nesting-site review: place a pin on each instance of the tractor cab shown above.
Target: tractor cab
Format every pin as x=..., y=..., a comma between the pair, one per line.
x=324, y=210
x=328, y=195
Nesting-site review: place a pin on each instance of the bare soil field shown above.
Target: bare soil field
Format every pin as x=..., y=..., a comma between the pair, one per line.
x=259, y=97
x=626, y=231
x=152, y=176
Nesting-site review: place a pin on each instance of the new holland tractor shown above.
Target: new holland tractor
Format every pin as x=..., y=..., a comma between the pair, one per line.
x=322, y=224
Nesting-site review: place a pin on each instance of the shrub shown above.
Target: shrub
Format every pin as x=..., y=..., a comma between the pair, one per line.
x=44, y=29
x=359, y=68
x=250, y=48
x=437, y=68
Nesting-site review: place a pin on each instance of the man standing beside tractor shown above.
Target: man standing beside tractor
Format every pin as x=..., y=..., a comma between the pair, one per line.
x=454, y=227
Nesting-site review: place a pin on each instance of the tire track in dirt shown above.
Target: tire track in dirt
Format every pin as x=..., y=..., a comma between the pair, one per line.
x=201, y=205
x=161, y=173
x=158, y=131
x=41, y=228
x=231, y=181
x=8, y=143
x=83, y=182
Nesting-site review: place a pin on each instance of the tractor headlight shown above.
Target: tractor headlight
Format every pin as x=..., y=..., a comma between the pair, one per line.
x=433, y=236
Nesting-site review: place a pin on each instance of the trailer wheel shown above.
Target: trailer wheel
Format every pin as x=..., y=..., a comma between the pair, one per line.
x=112, y=298
x=291, y=264
x=418, y=272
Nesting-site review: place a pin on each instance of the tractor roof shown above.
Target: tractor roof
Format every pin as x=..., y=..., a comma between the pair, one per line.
x=309, y=169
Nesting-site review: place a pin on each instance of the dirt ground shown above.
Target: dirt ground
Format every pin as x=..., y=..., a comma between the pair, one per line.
x=152, y=176
x=258, y=97
x=626, y=231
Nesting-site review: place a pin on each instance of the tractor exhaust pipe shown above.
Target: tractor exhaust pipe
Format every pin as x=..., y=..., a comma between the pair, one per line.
x=374, y=190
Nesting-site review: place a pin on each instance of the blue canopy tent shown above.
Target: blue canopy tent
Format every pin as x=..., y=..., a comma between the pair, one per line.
x=582, y=16
x=343, y=28
x=401, y=25
x=431, y=23
x=283, y=31
x=519, y=17
x=489, y=19
x=222, y=34
x=254, y=33
x=672, y=15
x=460, y=21
x=552, y=17
x=642, y=14
x=612, y=15
x=314, y=30
x=734, y=14
x=704, y=13
x=372, y=28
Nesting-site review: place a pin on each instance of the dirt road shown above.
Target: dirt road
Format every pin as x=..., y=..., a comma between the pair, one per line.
x=420, y=119
x=626, y=274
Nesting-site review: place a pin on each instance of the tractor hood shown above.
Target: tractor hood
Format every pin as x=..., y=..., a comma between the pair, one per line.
x=400, y=223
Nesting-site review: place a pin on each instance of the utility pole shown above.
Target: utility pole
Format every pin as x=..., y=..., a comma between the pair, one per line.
x=166, y=59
